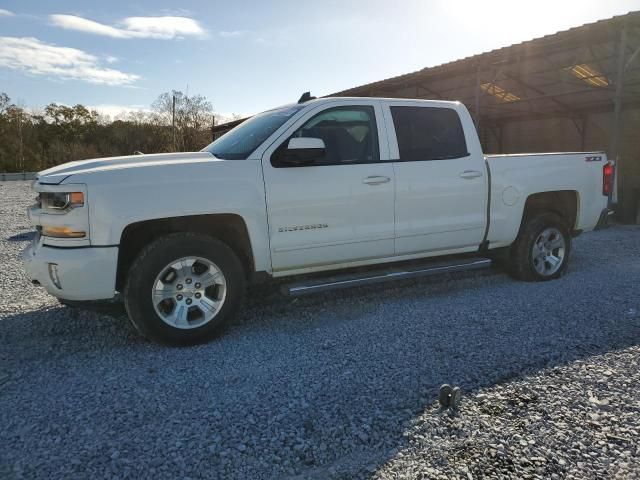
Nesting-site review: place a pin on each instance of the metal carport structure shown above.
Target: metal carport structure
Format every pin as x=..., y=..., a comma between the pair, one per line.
x=574, y=90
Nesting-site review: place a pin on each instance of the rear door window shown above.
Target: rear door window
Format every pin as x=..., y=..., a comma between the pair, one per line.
x=428, y=133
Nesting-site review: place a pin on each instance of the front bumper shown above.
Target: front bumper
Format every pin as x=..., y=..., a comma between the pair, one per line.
x=83, y=273
x=604, y=220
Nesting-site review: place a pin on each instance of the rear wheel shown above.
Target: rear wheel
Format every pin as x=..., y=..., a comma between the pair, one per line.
x=184, y=289
x=541, y=251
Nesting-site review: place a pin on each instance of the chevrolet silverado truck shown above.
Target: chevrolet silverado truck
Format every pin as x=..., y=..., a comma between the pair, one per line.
x=328, y=193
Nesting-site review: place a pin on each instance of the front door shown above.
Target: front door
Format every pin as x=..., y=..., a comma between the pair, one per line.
x=339, y=209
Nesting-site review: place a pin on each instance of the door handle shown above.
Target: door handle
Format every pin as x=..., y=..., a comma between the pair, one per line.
x=469, y=174
x=376, y=180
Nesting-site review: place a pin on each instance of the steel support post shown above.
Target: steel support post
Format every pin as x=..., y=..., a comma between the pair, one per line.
x=617, y=123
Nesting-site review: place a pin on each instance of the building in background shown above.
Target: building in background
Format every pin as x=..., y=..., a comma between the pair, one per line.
x=575, y=90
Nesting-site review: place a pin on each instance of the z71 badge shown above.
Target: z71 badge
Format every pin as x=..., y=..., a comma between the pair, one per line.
x=597, y=158
x=296, y=228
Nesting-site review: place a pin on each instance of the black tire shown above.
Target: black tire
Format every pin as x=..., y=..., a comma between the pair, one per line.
x=153, y=259
x=522, y=265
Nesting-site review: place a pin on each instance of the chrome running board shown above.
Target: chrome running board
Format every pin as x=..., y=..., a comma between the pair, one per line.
x=354, y=280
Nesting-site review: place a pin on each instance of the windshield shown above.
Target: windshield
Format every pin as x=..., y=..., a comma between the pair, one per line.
x=240, y=142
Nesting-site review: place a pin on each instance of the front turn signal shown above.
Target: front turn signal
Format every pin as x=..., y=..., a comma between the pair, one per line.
x=62, y=232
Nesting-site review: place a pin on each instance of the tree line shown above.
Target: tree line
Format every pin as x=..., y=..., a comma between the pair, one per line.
x=33, y=141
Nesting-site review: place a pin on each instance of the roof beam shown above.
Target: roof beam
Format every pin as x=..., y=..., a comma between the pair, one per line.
x=421, y=80
x=543, y=96
x=538, y=92
x=600, y=108
x=428, y=90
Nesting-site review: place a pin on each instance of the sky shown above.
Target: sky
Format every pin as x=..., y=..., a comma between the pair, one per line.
x=246, y=56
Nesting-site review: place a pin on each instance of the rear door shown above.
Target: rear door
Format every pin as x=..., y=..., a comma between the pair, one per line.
x=341, y=208
x=441, y=184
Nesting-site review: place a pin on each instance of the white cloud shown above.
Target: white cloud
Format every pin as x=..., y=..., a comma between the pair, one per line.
x=176, y=12
x=116, y=111
x=32, y=56
x=134, y=27
x=232, y=33
x=163, y=27
x=71, y=22
x=6, y=13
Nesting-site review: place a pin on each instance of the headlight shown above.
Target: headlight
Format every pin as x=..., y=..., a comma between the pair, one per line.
x=61, y=200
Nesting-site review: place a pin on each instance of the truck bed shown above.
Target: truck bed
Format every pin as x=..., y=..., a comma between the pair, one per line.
x=514, y=177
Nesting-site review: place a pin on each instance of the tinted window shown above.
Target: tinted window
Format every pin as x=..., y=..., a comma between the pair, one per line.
x=349, y=135
x=240, y=142
x=427, y=133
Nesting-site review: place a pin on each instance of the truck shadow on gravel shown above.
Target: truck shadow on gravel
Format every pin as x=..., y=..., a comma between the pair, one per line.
x=22, y=237
x=321, y=386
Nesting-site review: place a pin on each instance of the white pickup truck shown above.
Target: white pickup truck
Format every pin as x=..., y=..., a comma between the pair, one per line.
x=325, y=185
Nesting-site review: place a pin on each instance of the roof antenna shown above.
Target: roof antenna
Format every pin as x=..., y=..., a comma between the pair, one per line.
x=306, y=96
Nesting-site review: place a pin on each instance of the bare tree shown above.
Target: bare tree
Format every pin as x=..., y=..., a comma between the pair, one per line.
x=34, y=140
x=192, y=118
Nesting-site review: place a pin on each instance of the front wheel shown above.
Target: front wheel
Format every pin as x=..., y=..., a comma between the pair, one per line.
x=184, y=288
x=541, y=251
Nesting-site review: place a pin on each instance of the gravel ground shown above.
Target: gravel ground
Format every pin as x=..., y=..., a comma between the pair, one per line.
x=338, y=385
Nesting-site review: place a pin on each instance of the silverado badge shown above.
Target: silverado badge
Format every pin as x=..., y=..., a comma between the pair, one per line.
x=296, y=228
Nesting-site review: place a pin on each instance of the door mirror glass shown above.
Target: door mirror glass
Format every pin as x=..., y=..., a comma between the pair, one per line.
x=306, y=143
x=301, y=152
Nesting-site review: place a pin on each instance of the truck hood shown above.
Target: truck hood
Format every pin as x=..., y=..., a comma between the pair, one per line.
x=56, y=175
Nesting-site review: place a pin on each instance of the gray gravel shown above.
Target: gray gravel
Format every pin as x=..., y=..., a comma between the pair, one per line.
x=340, y=385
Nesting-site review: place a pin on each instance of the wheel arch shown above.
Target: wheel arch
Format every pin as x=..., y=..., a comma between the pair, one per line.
x=226, y=227
x=565, y=203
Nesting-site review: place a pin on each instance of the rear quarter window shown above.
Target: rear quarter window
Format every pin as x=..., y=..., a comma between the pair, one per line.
x=428, y=133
